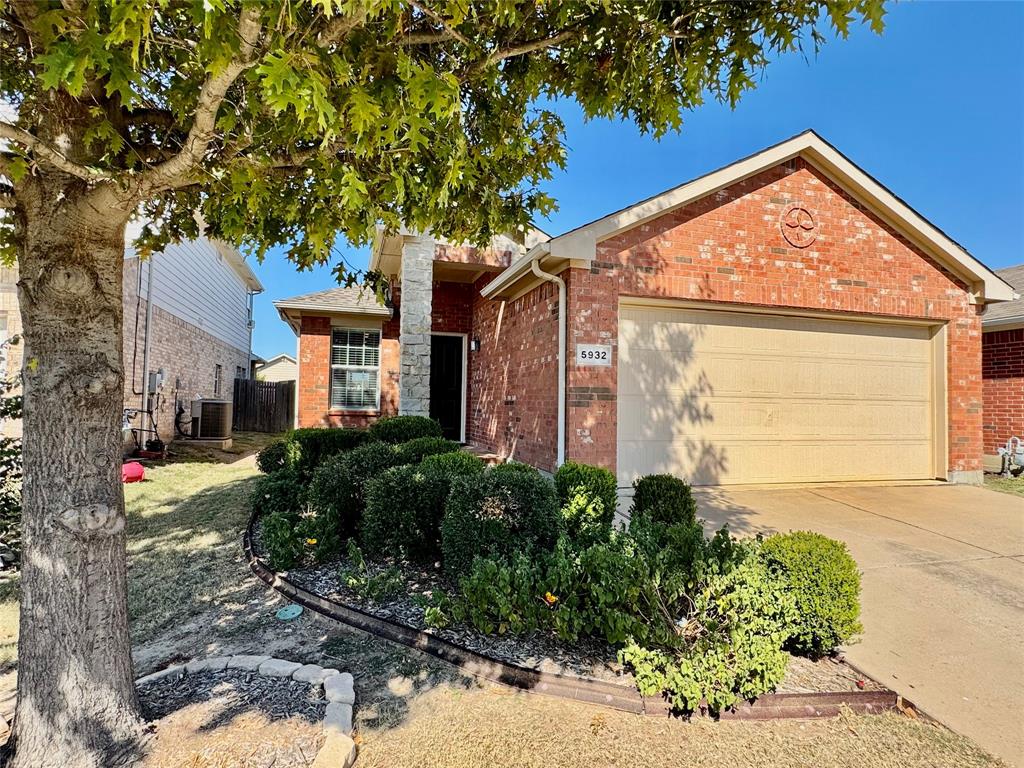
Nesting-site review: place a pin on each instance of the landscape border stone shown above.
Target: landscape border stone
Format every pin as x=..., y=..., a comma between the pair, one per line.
x=770, y=706
x=339, y=749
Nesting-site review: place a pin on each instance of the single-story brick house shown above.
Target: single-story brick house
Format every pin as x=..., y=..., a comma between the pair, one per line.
x=1002, y=368
x=785, y=318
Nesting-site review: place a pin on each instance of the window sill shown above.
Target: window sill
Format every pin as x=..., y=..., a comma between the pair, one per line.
x=354, y=412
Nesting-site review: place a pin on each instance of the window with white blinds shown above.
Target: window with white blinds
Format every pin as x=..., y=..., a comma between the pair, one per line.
x=355, y=369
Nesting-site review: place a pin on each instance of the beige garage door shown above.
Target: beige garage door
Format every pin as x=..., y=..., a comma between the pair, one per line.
x=726, y=397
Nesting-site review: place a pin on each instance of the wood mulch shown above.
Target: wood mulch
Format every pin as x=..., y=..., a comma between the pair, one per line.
x=233, y=719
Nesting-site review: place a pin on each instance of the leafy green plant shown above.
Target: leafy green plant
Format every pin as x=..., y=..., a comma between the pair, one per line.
x=280, y=491
x=496, y=514
x=402, y=429
x=314, y=445
x=402, y=518
x=365, y=463
x=588, y=496
x=663, y=499
x=332, y=493
x=455, y=464
x=10, y=472
x=280, y=540
x=417, y=449
x=356, y=575
x=823, y=578
x=278, y=455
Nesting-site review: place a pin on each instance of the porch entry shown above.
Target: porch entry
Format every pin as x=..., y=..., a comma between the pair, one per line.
x=448, y=384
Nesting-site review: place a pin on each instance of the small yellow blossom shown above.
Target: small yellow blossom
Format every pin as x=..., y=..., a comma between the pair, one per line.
x=311, y=542
x=550, y=599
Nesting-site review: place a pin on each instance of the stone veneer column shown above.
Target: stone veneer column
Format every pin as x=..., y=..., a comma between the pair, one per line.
x=414, y=325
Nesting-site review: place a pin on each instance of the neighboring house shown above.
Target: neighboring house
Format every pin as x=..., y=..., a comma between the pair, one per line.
x=1002, y=354
x=196, y=340
x=785, y=318
x=278, y=368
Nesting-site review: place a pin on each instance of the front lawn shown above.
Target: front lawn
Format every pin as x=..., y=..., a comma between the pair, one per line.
x=1011, y=485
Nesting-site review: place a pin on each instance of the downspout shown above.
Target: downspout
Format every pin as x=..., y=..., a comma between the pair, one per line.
x=145, y=339
x=535, y=266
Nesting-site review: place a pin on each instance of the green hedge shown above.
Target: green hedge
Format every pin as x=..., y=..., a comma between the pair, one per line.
x=278, y=455
x=455, y=464
x=588, y=496
x=404, y=507
x=402, y=429
x=278, y=492
x=414, y=451
x=663, y=499
x=367, y=462
x=332, y=493
x=317, y=444
x=823, y=578
x=505, y=510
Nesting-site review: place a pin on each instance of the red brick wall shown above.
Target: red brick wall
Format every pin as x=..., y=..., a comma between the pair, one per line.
x=728, y=247
x=1002, y=369
x=514, y=376
x=315, y=376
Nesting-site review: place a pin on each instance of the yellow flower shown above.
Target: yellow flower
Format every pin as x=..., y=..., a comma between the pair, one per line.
x=550, y=599
x=311, y=542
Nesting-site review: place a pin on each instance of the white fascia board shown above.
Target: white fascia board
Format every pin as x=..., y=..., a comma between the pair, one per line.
x=517, y=269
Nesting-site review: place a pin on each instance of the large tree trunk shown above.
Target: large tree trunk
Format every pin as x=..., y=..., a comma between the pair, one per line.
x=76, y=695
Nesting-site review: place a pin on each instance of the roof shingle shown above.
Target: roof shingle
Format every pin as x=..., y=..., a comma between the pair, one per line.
x=355, y=300
x=1004, y=310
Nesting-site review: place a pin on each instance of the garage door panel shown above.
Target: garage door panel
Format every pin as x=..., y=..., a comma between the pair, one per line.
x=723, y=397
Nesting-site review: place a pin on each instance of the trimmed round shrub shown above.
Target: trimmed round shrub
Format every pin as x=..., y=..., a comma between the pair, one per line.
x=820, y=573
x=402, y=429
x=278, y=492
x=366, y=462
x=278, y=455
x=333, y=496
x=402, y=518
x=455, y=464
x=588, y=496
x=414, y=451
x=663, y=499
x=496, y=514
x=316, y=444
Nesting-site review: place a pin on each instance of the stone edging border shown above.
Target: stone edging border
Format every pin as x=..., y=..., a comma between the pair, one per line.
x=338, y=749
x=769, y=706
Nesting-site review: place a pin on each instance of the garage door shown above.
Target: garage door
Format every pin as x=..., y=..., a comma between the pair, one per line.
x=725, y=397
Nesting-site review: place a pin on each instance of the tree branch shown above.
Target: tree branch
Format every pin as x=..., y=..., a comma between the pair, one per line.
x=426, y=38
x=178, y=169
x=440, y=20
x=339, y=27
x=500, y=54
x=45, y=152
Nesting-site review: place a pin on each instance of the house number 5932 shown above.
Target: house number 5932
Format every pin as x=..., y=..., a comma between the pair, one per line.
x=594, y=354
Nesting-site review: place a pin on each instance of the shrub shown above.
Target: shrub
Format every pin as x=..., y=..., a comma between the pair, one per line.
x=414, y=451
x=316, y=444
x=823, y=578
x=358, y=577
x=588, y=496
x=663, y=499
x=402, y=429
x=366, y=462
x=729, y=646
x=456, y=464
x=279, y=492
x=333, y=495
x=496, y=514
x=280, y=541
x=402, y=518
x=281, y=454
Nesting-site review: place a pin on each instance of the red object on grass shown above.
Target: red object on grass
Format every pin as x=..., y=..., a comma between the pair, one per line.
x=132, y=472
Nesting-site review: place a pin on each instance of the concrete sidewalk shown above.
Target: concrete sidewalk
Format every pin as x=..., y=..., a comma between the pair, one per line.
x=943, y=590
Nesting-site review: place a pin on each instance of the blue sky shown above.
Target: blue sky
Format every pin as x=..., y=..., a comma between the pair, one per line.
x=934, y=109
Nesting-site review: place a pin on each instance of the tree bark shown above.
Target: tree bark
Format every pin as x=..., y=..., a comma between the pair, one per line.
x=76, y=695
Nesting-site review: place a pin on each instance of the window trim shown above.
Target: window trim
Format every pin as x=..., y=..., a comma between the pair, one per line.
x=218, y=379
x=370, y=409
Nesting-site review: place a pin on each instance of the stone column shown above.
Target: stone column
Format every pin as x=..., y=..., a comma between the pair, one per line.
x=414, y=322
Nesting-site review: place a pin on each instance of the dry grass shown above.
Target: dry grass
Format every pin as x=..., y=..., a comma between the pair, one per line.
x=501, y=729
x=1011, y=485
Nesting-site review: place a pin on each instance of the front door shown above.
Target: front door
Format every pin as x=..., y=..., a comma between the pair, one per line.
x=446, y=380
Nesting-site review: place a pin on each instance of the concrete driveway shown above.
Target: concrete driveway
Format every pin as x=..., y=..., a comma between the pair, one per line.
x=943, y=590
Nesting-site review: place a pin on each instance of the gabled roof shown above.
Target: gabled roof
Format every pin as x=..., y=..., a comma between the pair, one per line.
x=276, y=358
x=1009, y=312
x=357, y=300
x=580, y=244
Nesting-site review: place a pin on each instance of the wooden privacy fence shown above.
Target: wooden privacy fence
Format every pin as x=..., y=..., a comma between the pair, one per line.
x=263, y=406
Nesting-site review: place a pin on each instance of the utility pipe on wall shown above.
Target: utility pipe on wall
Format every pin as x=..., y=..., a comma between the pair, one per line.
x=535, y=266
x=149, y=322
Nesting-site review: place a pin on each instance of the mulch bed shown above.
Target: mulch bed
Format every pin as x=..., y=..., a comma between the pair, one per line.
x=590, y=658
x=233, y=719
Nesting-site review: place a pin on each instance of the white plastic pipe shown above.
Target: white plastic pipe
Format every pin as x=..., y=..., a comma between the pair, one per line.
x=149, y=321
x=535, y=266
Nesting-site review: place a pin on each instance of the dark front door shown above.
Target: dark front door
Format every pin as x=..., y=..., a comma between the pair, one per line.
x=446, y=384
